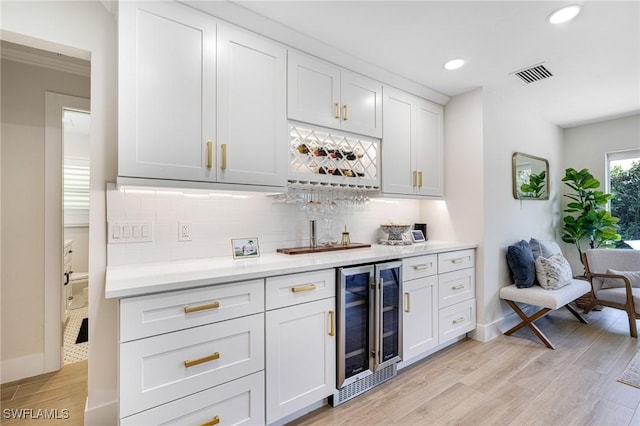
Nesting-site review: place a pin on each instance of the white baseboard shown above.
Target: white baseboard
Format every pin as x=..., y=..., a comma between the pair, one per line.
x=22, y=367
x=485, y=332
x=102, y=415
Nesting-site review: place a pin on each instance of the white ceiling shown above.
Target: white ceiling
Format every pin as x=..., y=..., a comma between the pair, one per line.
x=595, y=59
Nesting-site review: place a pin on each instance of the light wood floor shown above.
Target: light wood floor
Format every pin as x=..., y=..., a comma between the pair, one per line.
x=511, y=380
x=54, y=392
x=507, y=381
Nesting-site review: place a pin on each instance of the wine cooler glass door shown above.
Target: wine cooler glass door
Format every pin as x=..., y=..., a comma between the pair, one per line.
x=355, y=333
x=389, y=313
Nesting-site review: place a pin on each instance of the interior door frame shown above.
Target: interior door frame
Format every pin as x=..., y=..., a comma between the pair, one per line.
x=55, y=105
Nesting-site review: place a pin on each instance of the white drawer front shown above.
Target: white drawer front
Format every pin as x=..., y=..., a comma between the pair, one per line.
x=418, y=267
x=238, y=402
x=457, y=320
x=293, y=289
x=455, y=260
x=455, y=287
x=154, y=371
x=161, y=313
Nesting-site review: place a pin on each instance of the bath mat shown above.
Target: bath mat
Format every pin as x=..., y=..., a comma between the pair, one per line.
x=631, y=374
x=83, y=334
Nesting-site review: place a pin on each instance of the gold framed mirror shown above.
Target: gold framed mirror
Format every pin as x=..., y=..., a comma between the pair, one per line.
x=530, y=177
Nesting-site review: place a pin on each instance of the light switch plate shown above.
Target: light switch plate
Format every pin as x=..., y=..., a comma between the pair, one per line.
x=130, y=231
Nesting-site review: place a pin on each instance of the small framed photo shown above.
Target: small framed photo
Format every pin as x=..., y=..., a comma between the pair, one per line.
x=245, y=247
x=417, y=236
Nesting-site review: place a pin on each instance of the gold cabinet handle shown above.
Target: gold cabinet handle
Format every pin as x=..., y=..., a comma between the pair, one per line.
x=212, y=422
x=422, y=267
x=308, y=287
x=415, y=178
x=458, y=320
x=209, y=154
x=337, y=110
x=457, y=260
x=345, y=116
x=190, y=309
x=457, y=287
x=419, y=178
x=407, y=302
x=223, y=148
x=332, y=323
x=191, y=363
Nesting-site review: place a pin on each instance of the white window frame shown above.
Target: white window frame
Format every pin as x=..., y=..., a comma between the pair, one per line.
x=78, y=194
x=615, y=156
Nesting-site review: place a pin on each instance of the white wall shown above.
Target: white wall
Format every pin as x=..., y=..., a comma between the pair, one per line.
x=586, y=147
x=85, y=28
x=23, y=146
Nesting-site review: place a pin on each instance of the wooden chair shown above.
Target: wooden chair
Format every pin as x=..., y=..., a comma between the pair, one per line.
x=613, y=290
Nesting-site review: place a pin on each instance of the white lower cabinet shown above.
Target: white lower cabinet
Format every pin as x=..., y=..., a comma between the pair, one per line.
x=240, y=402
x=420, y=317
x=300, y=354
x=456, y=294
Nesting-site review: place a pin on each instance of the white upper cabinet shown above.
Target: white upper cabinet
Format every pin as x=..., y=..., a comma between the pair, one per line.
x=195, y=106
x=412, y=145
x=252, y=127
x=167, y=91
x=323, y=94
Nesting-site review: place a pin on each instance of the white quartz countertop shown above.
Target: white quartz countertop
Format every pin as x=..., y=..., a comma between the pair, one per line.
x=146, y=278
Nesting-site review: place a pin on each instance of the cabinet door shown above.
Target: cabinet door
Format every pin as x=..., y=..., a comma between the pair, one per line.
x=361, y=104
x=252, y=126
x=420, y=319
x=313, y=91
x=398, y=167
x=166, y=91
x=428, y=143
x=300, y=356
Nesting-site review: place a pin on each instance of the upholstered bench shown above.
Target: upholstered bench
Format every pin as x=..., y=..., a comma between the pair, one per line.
x=547, y=300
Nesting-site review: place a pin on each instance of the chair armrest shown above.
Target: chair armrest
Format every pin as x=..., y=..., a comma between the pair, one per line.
x=627, y=283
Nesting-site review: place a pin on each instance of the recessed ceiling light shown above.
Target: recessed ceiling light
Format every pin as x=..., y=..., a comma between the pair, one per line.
x=454, y=64
x=565, y=14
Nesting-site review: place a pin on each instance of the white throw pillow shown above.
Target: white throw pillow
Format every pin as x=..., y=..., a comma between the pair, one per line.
x=632, y=276
x=553, y=272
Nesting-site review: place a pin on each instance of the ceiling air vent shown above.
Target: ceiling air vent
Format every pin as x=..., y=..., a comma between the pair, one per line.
x=533, y=73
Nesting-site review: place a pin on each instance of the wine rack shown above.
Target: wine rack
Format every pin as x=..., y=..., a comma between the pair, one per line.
x=318, y=157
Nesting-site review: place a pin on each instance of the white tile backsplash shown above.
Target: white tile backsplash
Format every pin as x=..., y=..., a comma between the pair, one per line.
x=217, y=217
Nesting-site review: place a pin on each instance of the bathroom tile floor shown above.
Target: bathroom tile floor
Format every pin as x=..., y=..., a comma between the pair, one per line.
x=75, y=352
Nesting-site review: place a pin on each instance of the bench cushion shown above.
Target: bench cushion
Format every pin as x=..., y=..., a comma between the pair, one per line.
x=538, y=296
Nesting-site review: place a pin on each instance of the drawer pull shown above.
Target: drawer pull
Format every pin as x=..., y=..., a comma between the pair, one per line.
x=459, y=320
x=190, y=309
x=422, y=267
x=212, y=422
x=188, y=363
x=457, y=287
x=332, y=325
x=308, y=287
x=457, y=260
x=407, y=302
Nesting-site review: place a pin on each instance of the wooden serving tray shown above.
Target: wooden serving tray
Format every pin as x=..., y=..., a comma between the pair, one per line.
x=308, y=250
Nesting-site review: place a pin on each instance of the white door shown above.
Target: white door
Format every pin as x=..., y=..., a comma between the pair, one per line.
x=300, y=356
x=420, y=318
x=398, y=167
x=252, y=126
x=429, y=148
x=361, y=104
x=313, y=91
x=167, y=91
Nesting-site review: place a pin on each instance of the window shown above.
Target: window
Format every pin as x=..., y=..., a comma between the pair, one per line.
x=76, y=192
x=623, y=181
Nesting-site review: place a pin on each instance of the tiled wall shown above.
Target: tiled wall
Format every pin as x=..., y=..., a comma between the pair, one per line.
x=217, y=217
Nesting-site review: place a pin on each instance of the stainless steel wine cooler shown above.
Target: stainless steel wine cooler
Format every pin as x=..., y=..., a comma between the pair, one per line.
x=369, y=328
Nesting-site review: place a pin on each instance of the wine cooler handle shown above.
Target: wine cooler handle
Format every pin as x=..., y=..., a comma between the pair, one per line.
x=407, y=302
x=379, y=294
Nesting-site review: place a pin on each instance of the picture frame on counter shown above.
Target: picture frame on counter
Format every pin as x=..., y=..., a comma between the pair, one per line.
x=417, y=236
x=243, y=248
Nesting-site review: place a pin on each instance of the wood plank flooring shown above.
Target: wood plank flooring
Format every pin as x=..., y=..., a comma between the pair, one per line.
x=51, y=393
x=511, y=380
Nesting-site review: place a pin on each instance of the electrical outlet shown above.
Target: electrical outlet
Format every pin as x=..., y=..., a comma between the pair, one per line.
x=184, y=231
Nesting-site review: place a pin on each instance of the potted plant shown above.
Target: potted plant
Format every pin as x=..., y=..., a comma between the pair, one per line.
x=587, y=217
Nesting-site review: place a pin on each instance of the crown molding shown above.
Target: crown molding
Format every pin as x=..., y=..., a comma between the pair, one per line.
x=51, y=61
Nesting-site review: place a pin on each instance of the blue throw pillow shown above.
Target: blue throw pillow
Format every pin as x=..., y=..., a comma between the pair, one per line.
x=522, y=264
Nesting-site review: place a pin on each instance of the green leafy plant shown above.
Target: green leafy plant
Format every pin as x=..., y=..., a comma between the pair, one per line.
x=535, y=187
x=587, y=217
